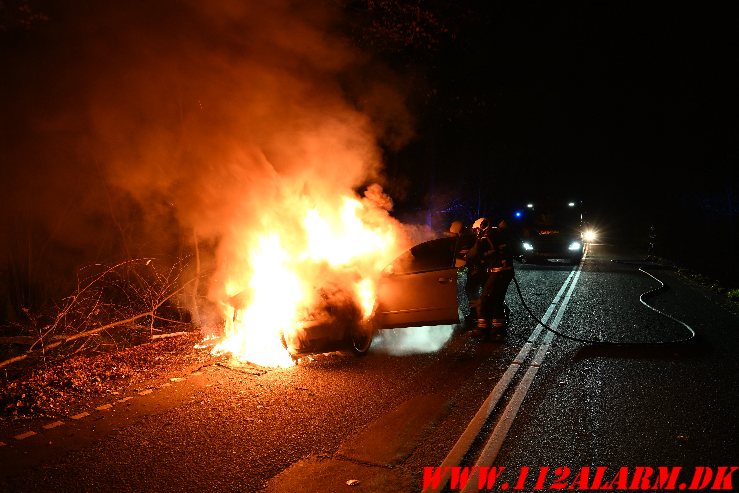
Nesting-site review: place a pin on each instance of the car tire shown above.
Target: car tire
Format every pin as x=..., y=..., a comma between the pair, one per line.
x=361, y=337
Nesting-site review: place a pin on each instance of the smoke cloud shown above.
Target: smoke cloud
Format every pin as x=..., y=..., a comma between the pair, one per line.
x=131, y=128
x=413, y=340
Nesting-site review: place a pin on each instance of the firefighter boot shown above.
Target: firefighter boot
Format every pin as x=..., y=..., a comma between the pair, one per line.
x=482, y=329
x=498, y=331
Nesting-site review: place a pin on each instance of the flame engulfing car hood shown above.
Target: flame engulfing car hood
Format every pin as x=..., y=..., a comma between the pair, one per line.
x=317, y=276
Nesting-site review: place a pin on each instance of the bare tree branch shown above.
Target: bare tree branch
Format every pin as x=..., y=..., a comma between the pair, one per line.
x=117, y=296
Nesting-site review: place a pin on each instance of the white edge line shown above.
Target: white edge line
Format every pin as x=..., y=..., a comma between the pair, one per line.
x=462, y=446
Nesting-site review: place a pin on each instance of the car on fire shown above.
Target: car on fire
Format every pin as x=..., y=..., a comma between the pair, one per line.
x=424, y=286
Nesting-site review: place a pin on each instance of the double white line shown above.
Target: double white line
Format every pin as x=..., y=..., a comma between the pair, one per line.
x=495, y=440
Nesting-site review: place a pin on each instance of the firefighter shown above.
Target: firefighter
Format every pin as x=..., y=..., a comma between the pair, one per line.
x=490, y=266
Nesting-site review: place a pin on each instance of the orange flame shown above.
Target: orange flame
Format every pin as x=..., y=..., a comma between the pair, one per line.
x=278, y=289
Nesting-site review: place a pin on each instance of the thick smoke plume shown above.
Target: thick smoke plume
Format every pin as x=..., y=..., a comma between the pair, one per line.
x=137, y=128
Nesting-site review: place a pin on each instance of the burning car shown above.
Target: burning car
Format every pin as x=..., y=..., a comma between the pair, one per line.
x=330, y=283
x=426, y=285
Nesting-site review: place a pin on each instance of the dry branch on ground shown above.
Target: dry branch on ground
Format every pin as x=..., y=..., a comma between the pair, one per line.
x=136, y=294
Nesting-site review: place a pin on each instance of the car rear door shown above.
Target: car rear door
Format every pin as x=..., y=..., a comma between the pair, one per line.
x=420, y=287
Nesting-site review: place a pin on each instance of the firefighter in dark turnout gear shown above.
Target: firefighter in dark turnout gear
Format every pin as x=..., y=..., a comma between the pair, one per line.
x=490, y=267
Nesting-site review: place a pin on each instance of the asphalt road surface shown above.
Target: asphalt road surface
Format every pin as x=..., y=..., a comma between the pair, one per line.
x=430, y=397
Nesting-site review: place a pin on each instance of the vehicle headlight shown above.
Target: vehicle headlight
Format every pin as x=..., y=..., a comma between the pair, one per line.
x=527, y=246
x=575, y=245
x=590, y=235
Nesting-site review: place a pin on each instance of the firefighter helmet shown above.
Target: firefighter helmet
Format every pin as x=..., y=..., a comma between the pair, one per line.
x=480, y=225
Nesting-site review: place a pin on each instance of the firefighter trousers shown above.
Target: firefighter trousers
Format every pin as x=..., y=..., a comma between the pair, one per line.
x=492, y=300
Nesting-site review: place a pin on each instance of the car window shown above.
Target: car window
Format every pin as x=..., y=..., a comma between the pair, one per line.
x=547, y=220
x=430, y=255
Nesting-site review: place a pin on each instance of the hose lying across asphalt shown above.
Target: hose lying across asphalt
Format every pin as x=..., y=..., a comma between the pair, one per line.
x=642, y=297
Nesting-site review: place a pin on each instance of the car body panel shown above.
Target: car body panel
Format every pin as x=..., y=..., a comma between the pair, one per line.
x=422, y=286
x=552, y=245
x=417, y=299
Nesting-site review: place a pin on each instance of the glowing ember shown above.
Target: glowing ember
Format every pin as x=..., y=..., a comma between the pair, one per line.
x=341, y=249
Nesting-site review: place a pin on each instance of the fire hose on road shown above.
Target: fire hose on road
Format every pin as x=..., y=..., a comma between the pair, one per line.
x=495, y=439
x=642, y=297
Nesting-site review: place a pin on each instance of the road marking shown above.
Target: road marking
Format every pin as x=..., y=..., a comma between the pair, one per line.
x=103, y=407
x=464, y=442
x=521, y=356
x=496, y=438
x=25, y=435
x=500, y=431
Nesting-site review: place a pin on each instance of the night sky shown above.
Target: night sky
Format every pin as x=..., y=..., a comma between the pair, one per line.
x=592, y=97
x=630, y=107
